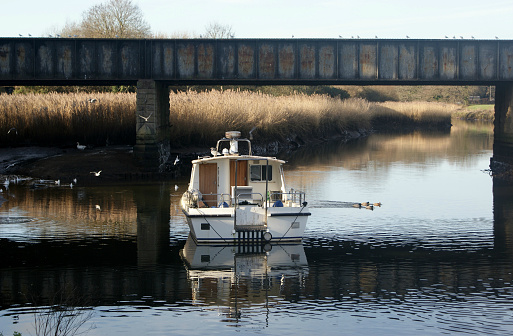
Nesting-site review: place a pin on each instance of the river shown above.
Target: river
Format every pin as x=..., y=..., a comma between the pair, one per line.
x=434, y=259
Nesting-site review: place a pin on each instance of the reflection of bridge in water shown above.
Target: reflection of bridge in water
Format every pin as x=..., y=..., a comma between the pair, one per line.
x=154, y=65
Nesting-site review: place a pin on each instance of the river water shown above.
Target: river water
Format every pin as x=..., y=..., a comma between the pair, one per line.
x=435, y=258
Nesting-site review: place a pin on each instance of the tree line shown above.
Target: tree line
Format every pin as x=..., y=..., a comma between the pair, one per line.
x=125, y=19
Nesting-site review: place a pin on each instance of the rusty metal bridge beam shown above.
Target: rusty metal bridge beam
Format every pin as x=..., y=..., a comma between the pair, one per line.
x=62, y=61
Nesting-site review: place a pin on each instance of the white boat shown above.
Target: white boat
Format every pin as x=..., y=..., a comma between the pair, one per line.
x=235, y=198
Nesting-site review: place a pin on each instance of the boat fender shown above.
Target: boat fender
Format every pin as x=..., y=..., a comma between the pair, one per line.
x=267, y=236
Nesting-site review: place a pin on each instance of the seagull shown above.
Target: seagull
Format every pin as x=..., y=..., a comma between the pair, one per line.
x=446, y=36
x=146, y=118
x=92, y=100
x=58, y=182
x=176, y=160
x=13, y=129
x=96, y=173
x=80, y=147
x=71, y=185
x=496, y=37
x=213, y=151
x=20, y=34
x=176, y=187
x=98, y=207
x=75, y=180
x=407, y=36
x=29, y=35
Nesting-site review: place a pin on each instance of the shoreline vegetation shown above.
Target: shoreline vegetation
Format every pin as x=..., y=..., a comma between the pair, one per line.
x=99, y=119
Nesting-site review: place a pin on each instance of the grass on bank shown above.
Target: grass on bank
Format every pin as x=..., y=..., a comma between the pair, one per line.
x=483, y=112
x=200, y=118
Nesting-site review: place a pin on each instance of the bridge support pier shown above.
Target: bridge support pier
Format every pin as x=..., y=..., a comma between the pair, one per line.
x=152, y=146
x=503, y=125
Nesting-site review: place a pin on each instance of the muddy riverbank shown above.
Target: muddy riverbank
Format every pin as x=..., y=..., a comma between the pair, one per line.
x=117, y=163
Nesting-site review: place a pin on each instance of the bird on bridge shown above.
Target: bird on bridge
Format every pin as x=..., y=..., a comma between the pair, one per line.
x=146, y=118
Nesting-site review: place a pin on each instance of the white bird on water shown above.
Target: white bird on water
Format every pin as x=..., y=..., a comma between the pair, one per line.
x=96, y=173
x=80, y=147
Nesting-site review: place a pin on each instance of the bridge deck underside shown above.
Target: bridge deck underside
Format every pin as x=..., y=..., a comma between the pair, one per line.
x=49, y=61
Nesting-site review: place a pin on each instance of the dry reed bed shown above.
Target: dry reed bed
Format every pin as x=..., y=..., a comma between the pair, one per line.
x=64, y=119
x=198, y=118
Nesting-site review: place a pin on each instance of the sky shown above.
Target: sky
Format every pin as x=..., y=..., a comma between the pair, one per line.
x=433, y=19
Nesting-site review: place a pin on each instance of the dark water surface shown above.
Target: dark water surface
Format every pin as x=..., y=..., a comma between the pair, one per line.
x=436, y=258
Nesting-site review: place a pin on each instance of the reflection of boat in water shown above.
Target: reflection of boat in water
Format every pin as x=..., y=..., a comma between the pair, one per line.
x=236, y=198
x=243, y=259
x=235, y=276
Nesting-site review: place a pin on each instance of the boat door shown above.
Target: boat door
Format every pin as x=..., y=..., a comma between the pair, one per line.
x=208, y=183
x=242, y=172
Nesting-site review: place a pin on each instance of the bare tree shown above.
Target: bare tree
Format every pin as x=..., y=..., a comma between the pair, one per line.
x=112, y=19
x=218, y=31
x=67, y=315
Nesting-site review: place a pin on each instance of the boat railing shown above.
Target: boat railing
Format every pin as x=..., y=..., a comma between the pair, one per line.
x=294, y=196
x=253, y=198
x=194, y=200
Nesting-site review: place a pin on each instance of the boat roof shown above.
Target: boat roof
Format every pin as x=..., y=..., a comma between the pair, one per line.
x=236, y=157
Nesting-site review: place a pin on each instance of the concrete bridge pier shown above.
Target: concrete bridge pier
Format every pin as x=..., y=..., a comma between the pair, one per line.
x=503, y=126
x=152, y=145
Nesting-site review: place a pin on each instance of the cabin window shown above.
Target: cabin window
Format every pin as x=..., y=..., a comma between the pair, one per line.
x=261, y=173
x=205, y=226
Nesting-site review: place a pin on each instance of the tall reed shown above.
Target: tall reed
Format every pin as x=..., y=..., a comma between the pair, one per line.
x=198, y=118
x=63, y=119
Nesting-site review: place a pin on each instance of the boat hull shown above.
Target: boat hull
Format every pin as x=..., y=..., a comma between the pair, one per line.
x=218, y=225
